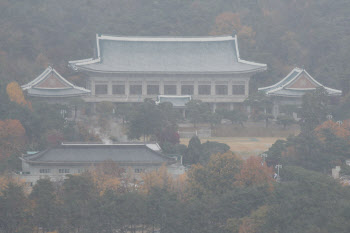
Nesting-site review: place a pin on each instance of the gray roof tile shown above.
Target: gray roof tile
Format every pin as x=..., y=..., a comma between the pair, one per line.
x=129, y=54
x=126, y=153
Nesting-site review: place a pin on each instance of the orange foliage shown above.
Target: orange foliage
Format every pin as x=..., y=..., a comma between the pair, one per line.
x=247, y=226
x=228, y=22
x=15, y=93
x=6, y=180
x=255, y=172
x=107, y=176
x=157, y=178
x=11, y=137
x=341, y=131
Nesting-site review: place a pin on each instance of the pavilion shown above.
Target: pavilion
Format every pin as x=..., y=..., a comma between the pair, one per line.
x=290, y=90
x=50, y=85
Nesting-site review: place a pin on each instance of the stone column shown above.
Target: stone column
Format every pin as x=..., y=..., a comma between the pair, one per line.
x=127, y=88
x=178, y=88
x=246, y=91
x=92, y=83
x=249, y=111
x=161, y=87
x=229, y=88
x=195, y=87
x=232, y=106
x=212, y=87
x=109, y=88
x=144, y=87
x=276, y=110
x=214, y=107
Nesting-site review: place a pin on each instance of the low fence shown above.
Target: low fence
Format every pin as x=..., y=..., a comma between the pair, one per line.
x=201, y=133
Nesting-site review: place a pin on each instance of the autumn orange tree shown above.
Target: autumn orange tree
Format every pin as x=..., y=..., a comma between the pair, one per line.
x=339, y=130
x=107, y=176
x=157, y=178
x=12, y=137
x=217, y=177
x=15, y=94
x=228, y=22
x=255, y=172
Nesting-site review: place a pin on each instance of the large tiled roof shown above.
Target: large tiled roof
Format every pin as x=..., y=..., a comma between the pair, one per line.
x=51, y=84
x=167, y=55
x=96, y=153
x=288, y=86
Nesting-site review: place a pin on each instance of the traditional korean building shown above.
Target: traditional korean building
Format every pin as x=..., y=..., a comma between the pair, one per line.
x=51, y=86
x=130, y=69
x=56, y=163
x=290, y=90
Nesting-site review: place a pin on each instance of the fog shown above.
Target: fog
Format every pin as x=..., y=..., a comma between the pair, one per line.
x=174, y=116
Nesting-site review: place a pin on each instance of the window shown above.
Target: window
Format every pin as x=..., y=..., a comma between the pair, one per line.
x=221, y=89
x=169, y=89
x=135, y=89
x=118, y=89
x=101, y=89
x=187, y=90
x=152, y=89
x=204, y=89
x=44, y=170
x=83, y=170
x=238, y=89
x=63, y=170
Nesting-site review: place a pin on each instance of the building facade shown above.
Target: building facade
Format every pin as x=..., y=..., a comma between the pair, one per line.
x=290, y=90
x=56, y=163
x=130, y=69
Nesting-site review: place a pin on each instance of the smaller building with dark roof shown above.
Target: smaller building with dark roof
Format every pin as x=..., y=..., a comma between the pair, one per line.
x=65, y=159
x=290, y=90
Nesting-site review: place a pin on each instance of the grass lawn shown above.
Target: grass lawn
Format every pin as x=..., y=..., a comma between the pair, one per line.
x=243, y=146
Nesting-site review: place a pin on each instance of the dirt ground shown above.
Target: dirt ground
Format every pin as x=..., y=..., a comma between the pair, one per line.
x=243, y=146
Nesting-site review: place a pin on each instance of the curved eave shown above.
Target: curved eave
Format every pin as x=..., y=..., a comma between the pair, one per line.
x=56, y=96
x=82, y=163
x=256, y=70
x=299, y=96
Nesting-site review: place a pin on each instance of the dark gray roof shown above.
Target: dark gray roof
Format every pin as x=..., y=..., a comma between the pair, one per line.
x=169, y=55
x=95, y=153
x=282, y=88
x=65, y=88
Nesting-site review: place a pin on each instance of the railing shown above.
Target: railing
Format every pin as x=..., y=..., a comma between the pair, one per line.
x=201, y=133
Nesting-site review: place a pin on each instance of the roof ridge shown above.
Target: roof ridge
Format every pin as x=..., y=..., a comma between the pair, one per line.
x=165, y=38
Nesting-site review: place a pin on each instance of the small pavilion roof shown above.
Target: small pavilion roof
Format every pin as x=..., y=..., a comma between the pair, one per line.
x=124, y=154
x=296, y=84
x=167, y=55
x=51, y=84
x=176, y=101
